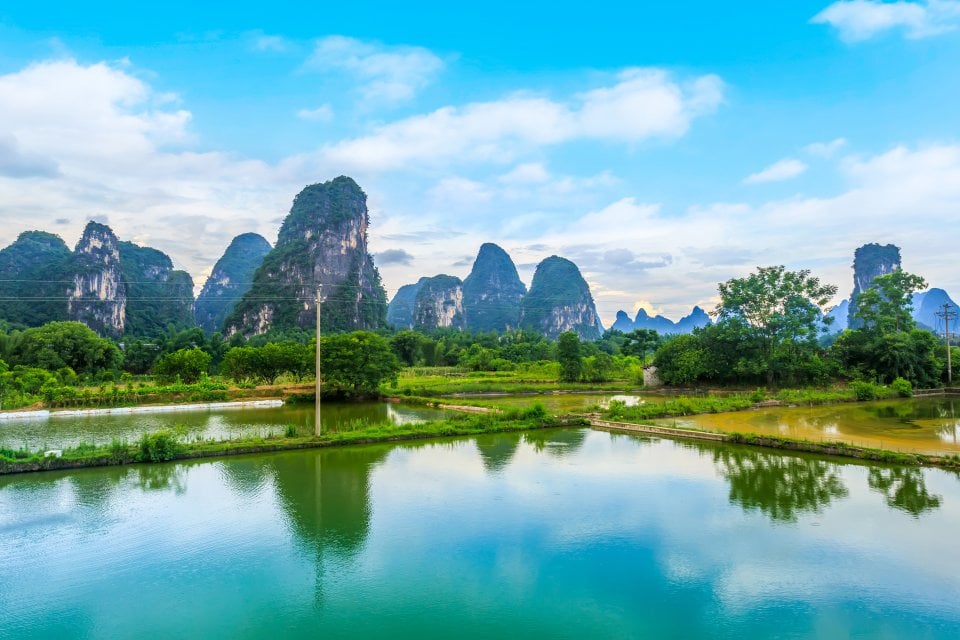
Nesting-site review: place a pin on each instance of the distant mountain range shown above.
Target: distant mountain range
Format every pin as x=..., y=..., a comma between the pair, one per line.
x=661, y=324
x=122, y=289
x=492, y=298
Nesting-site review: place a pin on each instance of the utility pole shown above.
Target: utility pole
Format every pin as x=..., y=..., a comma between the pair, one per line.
x=947, y=316
x=316, y=418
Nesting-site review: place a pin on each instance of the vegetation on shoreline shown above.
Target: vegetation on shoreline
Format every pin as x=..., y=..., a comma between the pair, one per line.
x=166, y=445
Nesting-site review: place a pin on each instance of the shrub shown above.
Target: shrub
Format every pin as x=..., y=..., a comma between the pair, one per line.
x=158, y=447
x=865, y=390
x=903, y=387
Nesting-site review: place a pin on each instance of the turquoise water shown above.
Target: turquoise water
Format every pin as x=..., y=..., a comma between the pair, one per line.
x=566, y=533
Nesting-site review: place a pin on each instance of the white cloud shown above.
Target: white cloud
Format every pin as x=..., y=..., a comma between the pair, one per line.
x=323, y=113
x=780, y=170
x=96, y=140
x=264, y=42
x=525, y=174
x=859, y=20
x=642, y=104
x=390, y=74
x=825, y=149
x=459, y=194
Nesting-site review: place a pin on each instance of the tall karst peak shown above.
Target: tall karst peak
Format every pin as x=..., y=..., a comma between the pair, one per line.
x=439, y=303
x=870, y=261
x=160, y=298
x=493, y=291
x=232, y=276
x=98, y=294
x=322, y=243
x=34, y=277
x=559, y=300
x=401, y=307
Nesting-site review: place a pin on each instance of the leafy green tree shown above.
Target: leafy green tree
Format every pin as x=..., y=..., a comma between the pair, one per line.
x=783, y=311
x=888, y=345
x=241, y=363
x=357, y=363
x=277, y=358
x=640, y=342
x=886, y=306
x=408, y=345
x=680, y=360
x=598, y=368
x=568, y=355
x=64, y=344
x=189, y=365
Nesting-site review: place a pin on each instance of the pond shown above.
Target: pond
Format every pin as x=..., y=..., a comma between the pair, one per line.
x=66, y=431
x=548, y=534
x=557, y=402
x=919, y=425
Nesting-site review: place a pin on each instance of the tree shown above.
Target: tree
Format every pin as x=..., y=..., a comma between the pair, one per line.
x=357, y=363
x=568, y=355
x=680, y=360
x=64, y=344
x=640, y=342
x=407, y=345
x=888, y=345
x=886, y=306
x=241, y=363
x=186, y=364
x=783, y=310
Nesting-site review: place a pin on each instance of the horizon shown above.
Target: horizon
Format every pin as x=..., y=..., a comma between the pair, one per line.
x=659, y=165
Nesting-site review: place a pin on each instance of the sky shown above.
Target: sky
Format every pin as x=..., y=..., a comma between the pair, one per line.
x=663, y=147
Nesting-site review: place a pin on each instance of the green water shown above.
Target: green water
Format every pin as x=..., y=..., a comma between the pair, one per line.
x=217, y=424
x=559, y=402
x=921, y=425
x=554, y=534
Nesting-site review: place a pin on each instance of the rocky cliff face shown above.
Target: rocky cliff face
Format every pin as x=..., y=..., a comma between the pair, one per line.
x=34, y=277
x=559, y=300
x=159, y=298
x=231, y=277
x=439, y=304
x=493, y=291
x=98, y=295
x=870, y=261
x=401, y=307
x=323, y=241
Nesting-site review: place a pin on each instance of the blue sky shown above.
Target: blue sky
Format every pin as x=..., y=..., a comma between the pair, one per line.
x=663, y=147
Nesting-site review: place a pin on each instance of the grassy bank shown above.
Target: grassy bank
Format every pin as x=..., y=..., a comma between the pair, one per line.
x=166, y=446
x=447, y=381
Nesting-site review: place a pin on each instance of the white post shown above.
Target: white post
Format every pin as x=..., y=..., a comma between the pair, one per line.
x=316, y=418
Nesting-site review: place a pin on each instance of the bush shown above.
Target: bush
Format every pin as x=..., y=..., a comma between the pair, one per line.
x=903, y=387
x=158, y=447
x=865, y=390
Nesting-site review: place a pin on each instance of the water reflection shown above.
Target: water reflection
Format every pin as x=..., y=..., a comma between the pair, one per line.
x=558, y=443
x=905, y=488
x=325, y=494
x=780, y=486
x=497, y=449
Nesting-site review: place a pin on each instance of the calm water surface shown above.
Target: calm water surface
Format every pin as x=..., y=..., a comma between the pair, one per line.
x=922, y=425
x=61, y=432
x=567, y=533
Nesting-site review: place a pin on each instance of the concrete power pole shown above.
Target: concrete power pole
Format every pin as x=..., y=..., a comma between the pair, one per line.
x=947, y=316
x=316, y=418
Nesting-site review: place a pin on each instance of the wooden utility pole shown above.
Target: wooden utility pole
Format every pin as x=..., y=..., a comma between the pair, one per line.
x=947, y=316
x=316, y=418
